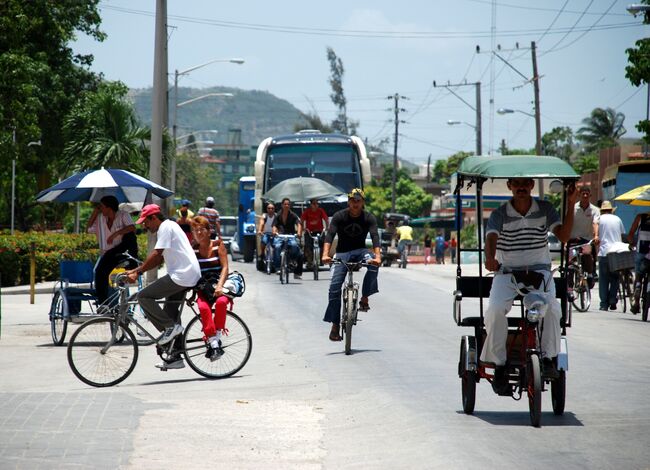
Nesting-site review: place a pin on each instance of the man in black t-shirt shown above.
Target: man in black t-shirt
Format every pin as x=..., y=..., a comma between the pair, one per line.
x=351, y=225
x=287, y=222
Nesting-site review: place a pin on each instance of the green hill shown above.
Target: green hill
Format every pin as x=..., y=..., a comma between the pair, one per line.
x=258, y=114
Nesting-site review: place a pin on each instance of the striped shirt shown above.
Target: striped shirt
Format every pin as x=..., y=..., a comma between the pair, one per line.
x=212, y=262
x=212, y=215
x=523, y=240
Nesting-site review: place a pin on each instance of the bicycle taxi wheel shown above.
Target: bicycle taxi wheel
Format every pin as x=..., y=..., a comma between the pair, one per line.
x=58, y=323
x=315, y=259
x=102, y=353
x=534, y=389
x=237, y=344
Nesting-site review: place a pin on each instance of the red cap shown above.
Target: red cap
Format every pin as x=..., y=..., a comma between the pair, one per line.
x=149, y=209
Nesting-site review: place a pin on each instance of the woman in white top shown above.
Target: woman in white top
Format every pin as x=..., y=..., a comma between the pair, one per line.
x=115, y=233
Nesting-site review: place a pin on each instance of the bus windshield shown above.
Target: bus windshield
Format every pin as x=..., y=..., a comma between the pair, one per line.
x=338, y=164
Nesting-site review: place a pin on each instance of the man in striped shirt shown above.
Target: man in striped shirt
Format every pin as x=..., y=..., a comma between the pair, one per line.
x=516, y=239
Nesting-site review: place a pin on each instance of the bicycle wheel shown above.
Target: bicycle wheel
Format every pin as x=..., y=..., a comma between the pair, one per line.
x=97, y=357
x=645, y=298
x=558, y=393
x=284, y=268
x=349, y=319
x=268, y=258
x=622, y=298
x=58, y=324
x=316, y=259
x=467, y=382
x=237, y=345
x=582, y=293
x=534, y=389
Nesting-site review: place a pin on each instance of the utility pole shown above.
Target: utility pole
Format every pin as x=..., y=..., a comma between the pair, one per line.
x=396, y=110
x=538, y=123
x=429, y=169
x=476, y=108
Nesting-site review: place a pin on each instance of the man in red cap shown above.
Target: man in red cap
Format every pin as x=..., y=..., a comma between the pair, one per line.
x=183, y=272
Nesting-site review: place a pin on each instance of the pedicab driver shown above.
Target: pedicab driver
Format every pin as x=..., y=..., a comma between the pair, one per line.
x=351, y=225
x=517, y=240
x=183, y=272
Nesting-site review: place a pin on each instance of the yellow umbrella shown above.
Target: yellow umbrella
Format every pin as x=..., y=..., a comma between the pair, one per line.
x=637, y=197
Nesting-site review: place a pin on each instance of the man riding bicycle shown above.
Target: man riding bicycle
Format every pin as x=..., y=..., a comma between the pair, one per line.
x=183, y=272
x=351, y=225
x=287, y=222
x=314, y=220
x=585, y=228
x=516, y=239
x=265, y=229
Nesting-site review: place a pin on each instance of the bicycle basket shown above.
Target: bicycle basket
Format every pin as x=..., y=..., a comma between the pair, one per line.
x=235, y=284
x=620, y=261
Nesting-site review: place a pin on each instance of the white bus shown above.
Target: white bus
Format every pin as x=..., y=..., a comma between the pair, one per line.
x=340, y=160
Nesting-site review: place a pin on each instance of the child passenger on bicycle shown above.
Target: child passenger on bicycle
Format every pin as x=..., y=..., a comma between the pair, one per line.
x=213, y=261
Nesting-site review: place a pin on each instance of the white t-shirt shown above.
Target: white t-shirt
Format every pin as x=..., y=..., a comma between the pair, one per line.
x=584, y=221
x=610, y=229
x=180, y=259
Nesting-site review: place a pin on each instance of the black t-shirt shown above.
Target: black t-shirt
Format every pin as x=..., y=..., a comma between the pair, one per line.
x=352, y=231
x=289, y=226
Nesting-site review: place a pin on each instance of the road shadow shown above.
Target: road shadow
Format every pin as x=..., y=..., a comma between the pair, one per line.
x=522, y=418
x=354, y=351
x=180, y=381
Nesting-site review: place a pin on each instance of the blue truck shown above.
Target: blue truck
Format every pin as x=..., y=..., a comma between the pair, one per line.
x=246, y=230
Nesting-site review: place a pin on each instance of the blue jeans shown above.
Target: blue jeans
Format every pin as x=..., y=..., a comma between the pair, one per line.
x=294, y=252
x=607, y=283
x=369, y=286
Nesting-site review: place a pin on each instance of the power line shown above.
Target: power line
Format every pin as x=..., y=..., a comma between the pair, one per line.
x=530, y=8
x=366, y=33
x=574, y=25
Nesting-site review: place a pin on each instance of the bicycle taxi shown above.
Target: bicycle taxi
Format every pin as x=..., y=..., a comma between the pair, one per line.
x=525, y=319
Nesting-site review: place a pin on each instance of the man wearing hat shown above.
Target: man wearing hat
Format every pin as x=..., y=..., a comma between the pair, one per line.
x=610, y=231
x=352, y=225
x=183, y=272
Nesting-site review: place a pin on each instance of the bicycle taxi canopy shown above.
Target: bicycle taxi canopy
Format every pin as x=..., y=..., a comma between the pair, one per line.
x=475, y=171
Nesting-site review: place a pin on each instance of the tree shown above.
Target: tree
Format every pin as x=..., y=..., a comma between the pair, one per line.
x=102, y=130
x=341, y=123
x=196, y=181
x=443, y=169
x=559, y=143
x=601, y=129
x=410, y=199
x=313, y=122
x=586, y=163
x=638, y=70
x=40, y=79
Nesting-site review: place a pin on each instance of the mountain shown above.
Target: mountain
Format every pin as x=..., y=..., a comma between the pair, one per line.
x=258, y=114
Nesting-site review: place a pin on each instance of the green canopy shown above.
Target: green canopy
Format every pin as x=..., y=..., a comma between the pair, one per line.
x=516, y=166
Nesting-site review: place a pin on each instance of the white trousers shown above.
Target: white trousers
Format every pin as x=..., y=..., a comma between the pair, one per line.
x=502, y=295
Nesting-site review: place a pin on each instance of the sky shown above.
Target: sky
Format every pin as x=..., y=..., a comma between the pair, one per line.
x=390, y=48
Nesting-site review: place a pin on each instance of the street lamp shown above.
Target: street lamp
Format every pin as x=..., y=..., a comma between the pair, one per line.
x=13, y=178
x=177, y=104
x=636, y=8
x=208, y=95
x=511, y=111
x=454, y=122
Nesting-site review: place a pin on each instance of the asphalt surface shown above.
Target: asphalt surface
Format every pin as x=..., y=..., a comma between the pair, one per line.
x=301, y=403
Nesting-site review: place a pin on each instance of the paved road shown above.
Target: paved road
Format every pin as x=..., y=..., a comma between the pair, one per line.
x=300, y=403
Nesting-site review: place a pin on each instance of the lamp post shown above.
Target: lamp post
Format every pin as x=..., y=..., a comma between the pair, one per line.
x=177, y=104
x=13, y=178
x=454, y=122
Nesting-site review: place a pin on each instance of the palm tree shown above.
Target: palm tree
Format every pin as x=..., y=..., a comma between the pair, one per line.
x=102, y=130
x=602, y=129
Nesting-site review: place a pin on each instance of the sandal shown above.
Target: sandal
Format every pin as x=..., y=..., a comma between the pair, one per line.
x=363, y=306
x=334, y=334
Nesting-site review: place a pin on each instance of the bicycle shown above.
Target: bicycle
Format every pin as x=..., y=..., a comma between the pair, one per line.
x=315, y=244
x=268, y=255
x=285, y=263
x=577, y=278
x=104, y=351
x=625, y=287
x=350, y=296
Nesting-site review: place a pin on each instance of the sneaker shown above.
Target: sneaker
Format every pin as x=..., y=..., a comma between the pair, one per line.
x=174, y=363
x=170, y=333
x=500, y=383
x=216, y=353
x=549, y=371
x=297, y=276
x=603, y=309
x=634, y=309
x=612, y=307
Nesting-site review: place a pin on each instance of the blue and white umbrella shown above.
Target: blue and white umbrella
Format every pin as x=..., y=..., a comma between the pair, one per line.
x=92, y=185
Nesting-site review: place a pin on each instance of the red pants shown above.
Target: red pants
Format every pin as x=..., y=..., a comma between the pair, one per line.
x=210, y=325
